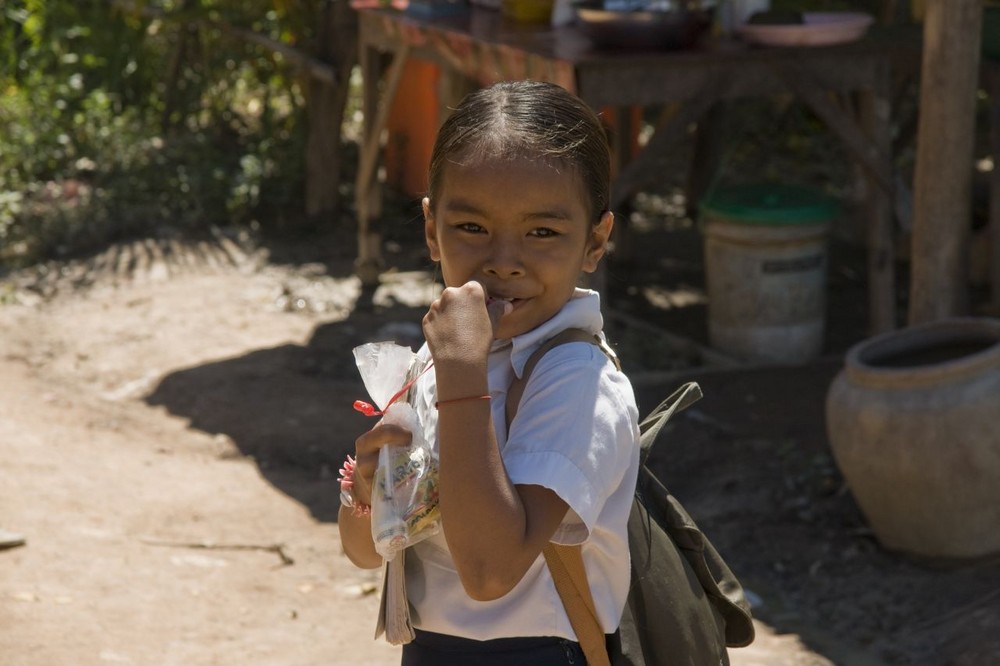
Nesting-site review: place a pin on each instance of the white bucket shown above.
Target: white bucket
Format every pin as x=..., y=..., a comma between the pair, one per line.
x=766, y=265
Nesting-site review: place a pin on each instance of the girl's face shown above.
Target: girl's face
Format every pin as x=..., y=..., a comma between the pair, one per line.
x=522, y=228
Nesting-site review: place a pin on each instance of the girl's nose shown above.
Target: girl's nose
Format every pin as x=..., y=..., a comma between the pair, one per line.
x=504, y=260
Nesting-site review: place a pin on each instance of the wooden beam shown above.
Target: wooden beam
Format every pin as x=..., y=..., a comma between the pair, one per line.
x=945, y=154
x=991, y=76
x=874, y=112
x=376, y=115
x=869, y=155
x=639, y=171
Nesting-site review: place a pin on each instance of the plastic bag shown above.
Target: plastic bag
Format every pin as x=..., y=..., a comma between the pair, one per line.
x=405, y=489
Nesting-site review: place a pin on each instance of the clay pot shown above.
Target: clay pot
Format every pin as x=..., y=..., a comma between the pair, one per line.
x=914, y=424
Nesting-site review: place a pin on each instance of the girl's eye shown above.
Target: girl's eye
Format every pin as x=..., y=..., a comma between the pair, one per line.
x=470, y=227
x=544, y=232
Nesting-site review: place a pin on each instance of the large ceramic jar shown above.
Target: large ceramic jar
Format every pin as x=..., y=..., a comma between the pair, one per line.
x=914, y=425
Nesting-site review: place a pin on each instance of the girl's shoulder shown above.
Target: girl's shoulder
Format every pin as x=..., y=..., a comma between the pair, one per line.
x=582, y=368
x=574, y=349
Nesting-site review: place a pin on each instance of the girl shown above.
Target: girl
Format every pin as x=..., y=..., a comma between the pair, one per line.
x=517, y=210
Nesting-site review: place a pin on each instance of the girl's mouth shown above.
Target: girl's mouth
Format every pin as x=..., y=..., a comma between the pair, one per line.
x=511, y=302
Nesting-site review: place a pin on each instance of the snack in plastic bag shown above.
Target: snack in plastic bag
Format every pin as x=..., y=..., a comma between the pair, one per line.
x=405, y=490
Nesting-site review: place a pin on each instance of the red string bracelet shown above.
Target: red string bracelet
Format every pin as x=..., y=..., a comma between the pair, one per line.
x=437, y=405
x=358, y=510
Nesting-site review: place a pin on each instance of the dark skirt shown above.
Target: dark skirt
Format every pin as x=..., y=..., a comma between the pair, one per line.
x=430, y=649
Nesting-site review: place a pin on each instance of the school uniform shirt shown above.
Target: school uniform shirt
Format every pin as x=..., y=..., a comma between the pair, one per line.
x=576, y=433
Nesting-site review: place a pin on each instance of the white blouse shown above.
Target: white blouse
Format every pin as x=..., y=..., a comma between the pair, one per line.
x=576, y=433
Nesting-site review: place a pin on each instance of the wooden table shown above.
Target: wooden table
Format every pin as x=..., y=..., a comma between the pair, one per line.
x=482, y=46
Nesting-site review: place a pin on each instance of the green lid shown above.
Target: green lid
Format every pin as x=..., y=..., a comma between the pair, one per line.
x=769, y=203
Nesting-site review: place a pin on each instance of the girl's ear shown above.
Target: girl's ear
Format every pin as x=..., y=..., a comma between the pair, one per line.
x=597, y=244
x=430, y=231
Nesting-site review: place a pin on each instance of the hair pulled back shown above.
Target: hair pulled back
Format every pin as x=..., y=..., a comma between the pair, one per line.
x=526, y=120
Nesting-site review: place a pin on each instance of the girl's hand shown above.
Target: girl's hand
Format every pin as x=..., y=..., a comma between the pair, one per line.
x=355, y=531
x=459, y=326
x=366, y=450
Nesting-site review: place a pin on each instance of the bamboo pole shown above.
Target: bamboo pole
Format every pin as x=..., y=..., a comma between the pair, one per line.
x=945, y=151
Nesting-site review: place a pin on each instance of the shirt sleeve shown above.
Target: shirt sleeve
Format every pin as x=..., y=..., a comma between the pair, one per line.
x=573, y=433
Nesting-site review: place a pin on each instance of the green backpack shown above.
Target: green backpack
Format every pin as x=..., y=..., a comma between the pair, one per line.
x=684, y=606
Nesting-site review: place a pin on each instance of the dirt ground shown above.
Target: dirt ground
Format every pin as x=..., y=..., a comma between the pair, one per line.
x=172, y=414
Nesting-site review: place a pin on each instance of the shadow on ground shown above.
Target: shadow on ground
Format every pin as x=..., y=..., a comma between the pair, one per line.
x=290, y=408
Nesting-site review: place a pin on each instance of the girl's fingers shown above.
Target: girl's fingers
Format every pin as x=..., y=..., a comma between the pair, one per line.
x=455, y=323
x=366, y=448
x=367, y=445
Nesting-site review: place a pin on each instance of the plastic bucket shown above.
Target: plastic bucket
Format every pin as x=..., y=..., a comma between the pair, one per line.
x=766, y=263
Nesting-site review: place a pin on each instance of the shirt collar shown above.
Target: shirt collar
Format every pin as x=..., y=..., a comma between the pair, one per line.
x=582, y=310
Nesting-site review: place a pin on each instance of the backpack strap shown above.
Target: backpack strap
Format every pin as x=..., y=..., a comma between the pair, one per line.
x=516, y=389
x=566, y=562
x=568, y=573
x=650, y=426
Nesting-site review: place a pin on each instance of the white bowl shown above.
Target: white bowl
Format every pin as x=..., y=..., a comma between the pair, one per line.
x=816, y=29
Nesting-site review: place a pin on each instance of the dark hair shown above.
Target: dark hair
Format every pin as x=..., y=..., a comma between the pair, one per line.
x=526, y=119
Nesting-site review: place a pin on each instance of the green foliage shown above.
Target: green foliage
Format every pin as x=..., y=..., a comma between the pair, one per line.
x=131, y=118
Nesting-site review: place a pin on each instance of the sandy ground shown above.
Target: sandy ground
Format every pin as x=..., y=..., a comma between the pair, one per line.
x=150, y=541
x=171, y=414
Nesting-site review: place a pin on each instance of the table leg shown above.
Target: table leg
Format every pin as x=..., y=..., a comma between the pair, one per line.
x=993, y=89
x=707, y=158
x=875, y=111
x=367, y=193
x=672, y=128
x=871, y=147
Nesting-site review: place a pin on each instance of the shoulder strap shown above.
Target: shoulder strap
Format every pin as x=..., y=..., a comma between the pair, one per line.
x=516, y=389
x=649, y=427
x=568, y=573
x=566, y=562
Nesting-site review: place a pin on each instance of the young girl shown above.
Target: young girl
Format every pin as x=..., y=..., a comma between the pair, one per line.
x=517, y=210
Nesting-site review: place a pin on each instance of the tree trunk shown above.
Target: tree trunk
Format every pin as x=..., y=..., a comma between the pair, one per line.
x=337, y=45
x=945, y=153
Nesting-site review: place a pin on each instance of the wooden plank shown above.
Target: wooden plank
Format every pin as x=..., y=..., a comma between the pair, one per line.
x=945, y=152
x=639, y=170
x=862, y=147
x=992, y=77
x=679, y=343
x=369, y=240
x=874, y=115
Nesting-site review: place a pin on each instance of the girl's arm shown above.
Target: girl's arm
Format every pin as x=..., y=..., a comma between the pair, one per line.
x=356, y=531
x=356, y=537
x=494, y=529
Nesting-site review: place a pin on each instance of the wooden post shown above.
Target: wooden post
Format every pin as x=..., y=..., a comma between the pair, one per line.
x=874, y=115
x=945, y=143
x=992, y=72
x=336, y=54
x=367, y=194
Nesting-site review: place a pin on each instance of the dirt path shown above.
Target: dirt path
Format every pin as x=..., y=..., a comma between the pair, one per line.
x=145, y=427
x=130, y=514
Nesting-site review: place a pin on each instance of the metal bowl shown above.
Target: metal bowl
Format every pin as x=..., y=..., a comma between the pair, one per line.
x=643, y=29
